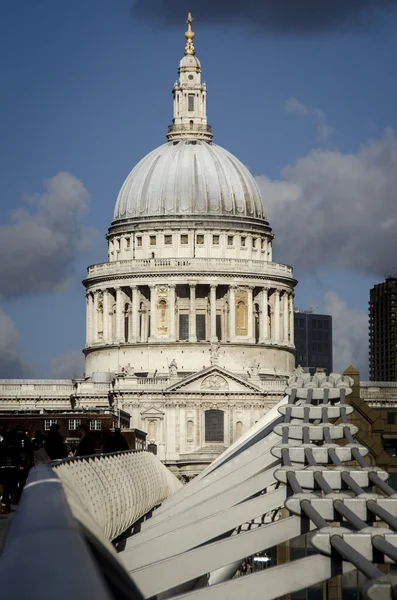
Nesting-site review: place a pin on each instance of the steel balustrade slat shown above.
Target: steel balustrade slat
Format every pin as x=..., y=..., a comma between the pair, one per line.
x=358, y=524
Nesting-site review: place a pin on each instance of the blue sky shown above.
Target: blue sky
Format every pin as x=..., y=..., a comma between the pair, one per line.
x=86, y=90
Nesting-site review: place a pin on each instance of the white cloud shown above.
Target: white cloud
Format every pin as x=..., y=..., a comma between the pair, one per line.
x=12, y=366
x=69, y=365
x=337, y=211
x=41, y=245
x=350, y=335
x=324, y=131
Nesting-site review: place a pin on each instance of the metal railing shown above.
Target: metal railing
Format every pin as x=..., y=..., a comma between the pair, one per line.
x=47, y=554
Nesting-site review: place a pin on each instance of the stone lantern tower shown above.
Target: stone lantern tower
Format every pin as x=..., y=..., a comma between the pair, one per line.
x=190, y=289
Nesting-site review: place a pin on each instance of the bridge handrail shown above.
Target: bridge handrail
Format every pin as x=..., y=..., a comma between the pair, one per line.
x=45, y=554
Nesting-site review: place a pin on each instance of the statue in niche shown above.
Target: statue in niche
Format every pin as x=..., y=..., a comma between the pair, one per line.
x=173, y=368
x=215, y=352
x=299, y=371
x=129, y=370
x=254, y=369
x=162, y=308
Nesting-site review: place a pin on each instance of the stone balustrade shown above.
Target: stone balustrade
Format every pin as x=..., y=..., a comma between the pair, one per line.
x=43, y=389
x=195, y=265
x=39, y=387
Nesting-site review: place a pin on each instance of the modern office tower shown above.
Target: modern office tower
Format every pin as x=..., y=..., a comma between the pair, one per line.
x=383, y=331
x=313, y=341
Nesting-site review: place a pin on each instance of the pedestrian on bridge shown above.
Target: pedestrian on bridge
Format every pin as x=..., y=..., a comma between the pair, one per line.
x=116, y=442
x=86, y=446
x=54, y=445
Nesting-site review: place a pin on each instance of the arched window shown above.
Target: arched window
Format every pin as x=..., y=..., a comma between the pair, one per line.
x=162, y=315
x=256, y=322
x=189, y=431
x=214, y=426
x=114, y=319
x=100, y=321
x=241, y=318
x=239, y=429
x=126, y=322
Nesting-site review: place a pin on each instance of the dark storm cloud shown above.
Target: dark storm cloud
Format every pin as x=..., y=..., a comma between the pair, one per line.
x=272, y=16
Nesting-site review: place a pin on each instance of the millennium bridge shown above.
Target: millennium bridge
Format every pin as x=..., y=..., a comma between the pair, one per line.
x=122, y=527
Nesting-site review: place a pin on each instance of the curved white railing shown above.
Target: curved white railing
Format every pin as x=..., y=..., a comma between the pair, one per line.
x=108, y=493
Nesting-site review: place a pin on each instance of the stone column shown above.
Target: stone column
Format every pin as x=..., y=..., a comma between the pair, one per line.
x=134, y=314
x=192, y=316
x=291, y=319
x=171, y=333
x=250, y=320
x=153, y=308
x=143, y=325
x=88, y=320
x=286, y=316
x=232, y=312
x=264, y=322
x=277, y=316
x=119, y=314
x=106, y=315
x=213, y=312
x=95, y=318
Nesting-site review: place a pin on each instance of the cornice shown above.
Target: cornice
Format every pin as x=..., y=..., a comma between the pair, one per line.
x=114, y=279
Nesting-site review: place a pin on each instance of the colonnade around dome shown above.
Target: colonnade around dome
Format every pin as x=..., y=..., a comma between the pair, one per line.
x=194, y=312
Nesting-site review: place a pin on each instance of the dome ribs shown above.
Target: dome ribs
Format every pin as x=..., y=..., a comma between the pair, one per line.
x=191, y=177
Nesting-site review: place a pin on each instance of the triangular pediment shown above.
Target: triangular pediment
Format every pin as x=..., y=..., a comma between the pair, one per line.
x=152, y=411
x=214, y=379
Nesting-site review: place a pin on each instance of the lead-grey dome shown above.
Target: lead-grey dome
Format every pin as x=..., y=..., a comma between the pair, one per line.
x=189, y=177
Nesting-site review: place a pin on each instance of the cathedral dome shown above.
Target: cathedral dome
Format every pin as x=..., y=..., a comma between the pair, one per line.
x=189, y=178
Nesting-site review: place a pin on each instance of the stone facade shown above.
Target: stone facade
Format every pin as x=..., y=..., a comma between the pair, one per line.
x=189, y=323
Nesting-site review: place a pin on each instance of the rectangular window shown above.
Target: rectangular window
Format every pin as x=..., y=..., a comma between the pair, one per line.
x=214, y=426
x=219, y=327
x=48, y=423
x=191, y=102
x=200, y=328
x=200, y=239
x=243, y=242
x=230, y=240
x=255, y=243
x=183, y=327
x=184, y=239
x=74, y=424
x=96, y=425
x=168, y=240
x=127, y=242
x=152, y=239
x=139, y=241
x=215, y=240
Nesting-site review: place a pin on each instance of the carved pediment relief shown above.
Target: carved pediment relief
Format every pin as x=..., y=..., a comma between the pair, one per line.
x=214, y=379
x=214, y=382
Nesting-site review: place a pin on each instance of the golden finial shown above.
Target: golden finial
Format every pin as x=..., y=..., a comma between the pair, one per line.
x=189, y=35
